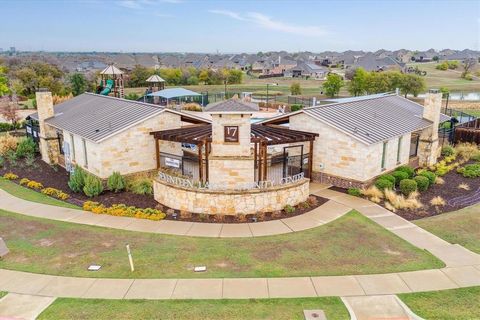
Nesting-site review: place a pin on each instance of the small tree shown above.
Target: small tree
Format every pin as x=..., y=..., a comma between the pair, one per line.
x=9, y=110
x=468, y=64
x=358, y=83
x=295, y=89
x=78, y=84
x=3, y=82
x=332, y=85
x=204, y=76
x=412, y=84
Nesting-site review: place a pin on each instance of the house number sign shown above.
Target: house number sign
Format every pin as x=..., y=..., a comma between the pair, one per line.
x=231, y=133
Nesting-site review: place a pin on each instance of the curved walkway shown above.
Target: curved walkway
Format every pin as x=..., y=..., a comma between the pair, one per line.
x=463, y=267
x=323, y=214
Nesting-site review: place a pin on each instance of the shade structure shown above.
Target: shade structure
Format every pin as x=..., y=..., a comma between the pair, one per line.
x=111, y=70
x=267, y=134
x=154, y=79
x=174, y=93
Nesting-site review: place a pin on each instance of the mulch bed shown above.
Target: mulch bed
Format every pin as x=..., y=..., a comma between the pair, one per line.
x=57, y=177
x=454, y=197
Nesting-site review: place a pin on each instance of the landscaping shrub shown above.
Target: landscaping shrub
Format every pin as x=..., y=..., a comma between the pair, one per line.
x=429, y=175
x=437, y=201
x=289, y=209
x=475, y=156
x=24, y=181
x=52, y=192
x=312, y=200
x=141, y=186
x=93, y=186
x=77, y=179
x=466, y=150
x=372, y=192
x=124, y=211
x=383, y=184
x=34, y=185
x=408, y=186
x=399, y=176
x=10, y=176
x=409, y=170
x=470, y=170
x=398, y=201
x=422, y=183
x=296, y=107
x=2, y=162
x=354, y=192
x=448, y=151
x=26, y=148
x=116, y=182
x=389, y=177
x=7, y=143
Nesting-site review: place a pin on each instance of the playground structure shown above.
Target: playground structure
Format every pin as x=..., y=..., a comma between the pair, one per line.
x=155, y=83
x=111, y=81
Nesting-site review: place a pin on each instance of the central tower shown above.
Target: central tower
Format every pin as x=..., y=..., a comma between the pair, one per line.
x=231, y=162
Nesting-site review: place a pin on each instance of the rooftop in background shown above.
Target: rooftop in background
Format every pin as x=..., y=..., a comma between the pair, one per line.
x=174, y=93
x=233, y=105
x=369, y=119
x=97, y=117
x=155, y=78
x=111, y=70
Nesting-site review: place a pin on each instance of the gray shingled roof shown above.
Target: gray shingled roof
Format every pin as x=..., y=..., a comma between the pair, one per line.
x=96, y=117
x=232, y=105
x=373, y=120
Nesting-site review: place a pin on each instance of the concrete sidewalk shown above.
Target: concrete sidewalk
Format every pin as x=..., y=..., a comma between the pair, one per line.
x=323, y=214
x=239, y=288
x=453, y=255
x=25, y=307
x=378, y=307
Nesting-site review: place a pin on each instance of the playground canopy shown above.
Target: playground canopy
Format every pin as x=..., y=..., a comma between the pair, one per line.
x=174, y=93
x=111, y=70
x=155, y=78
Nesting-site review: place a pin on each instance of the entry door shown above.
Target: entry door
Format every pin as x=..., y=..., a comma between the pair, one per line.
x=293, y=160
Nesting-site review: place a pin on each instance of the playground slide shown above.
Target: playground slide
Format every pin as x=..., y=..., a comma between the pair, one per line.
x=108, y=88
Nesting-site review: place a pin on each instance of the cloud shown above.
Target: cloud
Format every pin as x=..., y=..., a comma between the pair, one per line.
x=130, y=4
x=228, y=13
x=268, y=23
x=271, y=24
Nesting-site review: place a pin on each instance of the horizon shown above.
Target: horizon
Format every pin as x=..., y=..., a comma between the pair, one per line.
x=182, y=26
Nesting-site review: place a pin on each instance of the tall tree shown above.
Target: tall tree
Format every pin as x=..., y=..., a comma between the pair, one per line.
x=78, y=83
x=358, y=83
x=332, y=85
x=138, y=76
x=468, y=64
x=412, y=84
x=9, y=110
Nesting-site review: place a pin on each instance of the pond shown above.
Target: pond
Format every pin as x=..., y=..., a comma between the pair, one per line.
x=460, y=95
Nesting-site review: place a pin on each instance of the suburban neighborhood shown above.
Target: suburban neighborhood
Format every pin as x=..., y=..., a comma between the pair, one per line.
x=180, y=159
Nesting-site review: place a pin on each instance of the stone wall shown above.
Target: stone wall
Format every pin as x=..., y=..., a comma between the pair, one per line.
x=230, y=202
x=343, y=159
x=130, y=151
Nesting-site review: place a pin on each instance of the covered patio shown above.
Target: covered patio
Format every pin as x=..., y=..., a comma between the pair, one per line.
x=278, y=152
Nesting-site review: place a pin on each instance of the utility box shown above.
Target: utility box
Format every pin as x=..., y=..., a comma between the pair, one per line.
x=3, y=248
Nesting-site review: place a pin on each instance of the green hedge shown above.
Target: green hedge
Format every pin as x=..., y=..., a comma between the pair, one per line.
x=422, y=183
x=408, y=186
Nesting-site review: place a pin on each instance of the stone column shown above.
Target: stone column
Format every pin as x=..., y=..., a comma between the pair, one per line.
x=49, y=148
x=428, y=149
x=231, y=163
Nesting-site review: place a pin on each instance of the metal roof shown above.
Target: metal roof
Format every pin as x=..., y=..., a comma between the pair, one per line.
x=155, y=78
x=370, y=119
x=96, y=117
x=232, y=105
x=174, y=93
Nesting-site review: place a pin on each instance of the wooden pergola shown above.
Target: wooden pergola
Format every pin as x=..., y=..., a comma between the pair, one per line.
x=261, y=137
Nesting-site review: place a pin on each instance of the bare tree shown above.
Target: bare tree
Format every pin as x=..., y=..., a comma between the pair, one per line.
x=468, y=64
x=9, y=110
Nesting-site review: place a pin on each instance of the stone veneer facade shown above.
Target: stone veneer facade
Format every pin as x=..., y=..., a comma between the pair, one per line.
x=231, y=163
x=230, y=202
x=48, y=144
x=343, y=161
x=127, y=152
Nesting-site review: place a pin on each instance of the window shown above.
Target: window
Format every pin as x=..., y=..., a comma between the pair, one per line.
x=85, y=161
x=384, y=154
x=72, y=143
x=399, y=148
x=60, y=142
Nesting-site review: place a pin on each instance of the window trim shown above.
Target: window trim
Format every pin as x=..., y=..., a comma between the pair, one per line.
x=399, y=148
x=384, y=156
x=85, y=159
x=72, y=143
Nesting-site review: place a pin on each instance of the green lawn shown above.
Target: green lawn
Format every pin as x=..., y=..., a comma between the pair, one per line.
x=193, y=309
x=27, y=194
x=352, y=244
x=455, y=304
x=460, y=227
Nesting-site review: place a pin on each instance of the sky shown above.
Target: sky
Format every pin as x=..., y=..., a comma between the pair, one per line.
x=238, y=26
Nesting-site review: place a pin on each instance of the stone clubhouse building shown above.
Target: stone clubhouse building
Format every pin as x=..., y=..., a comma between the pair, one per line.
x=220, y=161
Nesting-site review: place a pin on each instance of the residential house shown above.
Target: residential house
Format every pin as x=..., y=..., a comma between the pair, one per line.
x=307, y=70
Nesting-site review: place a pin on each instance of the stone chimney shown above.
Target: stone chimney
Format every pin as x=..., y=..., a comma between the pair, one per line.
x=428, y=145
x=49, y=147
